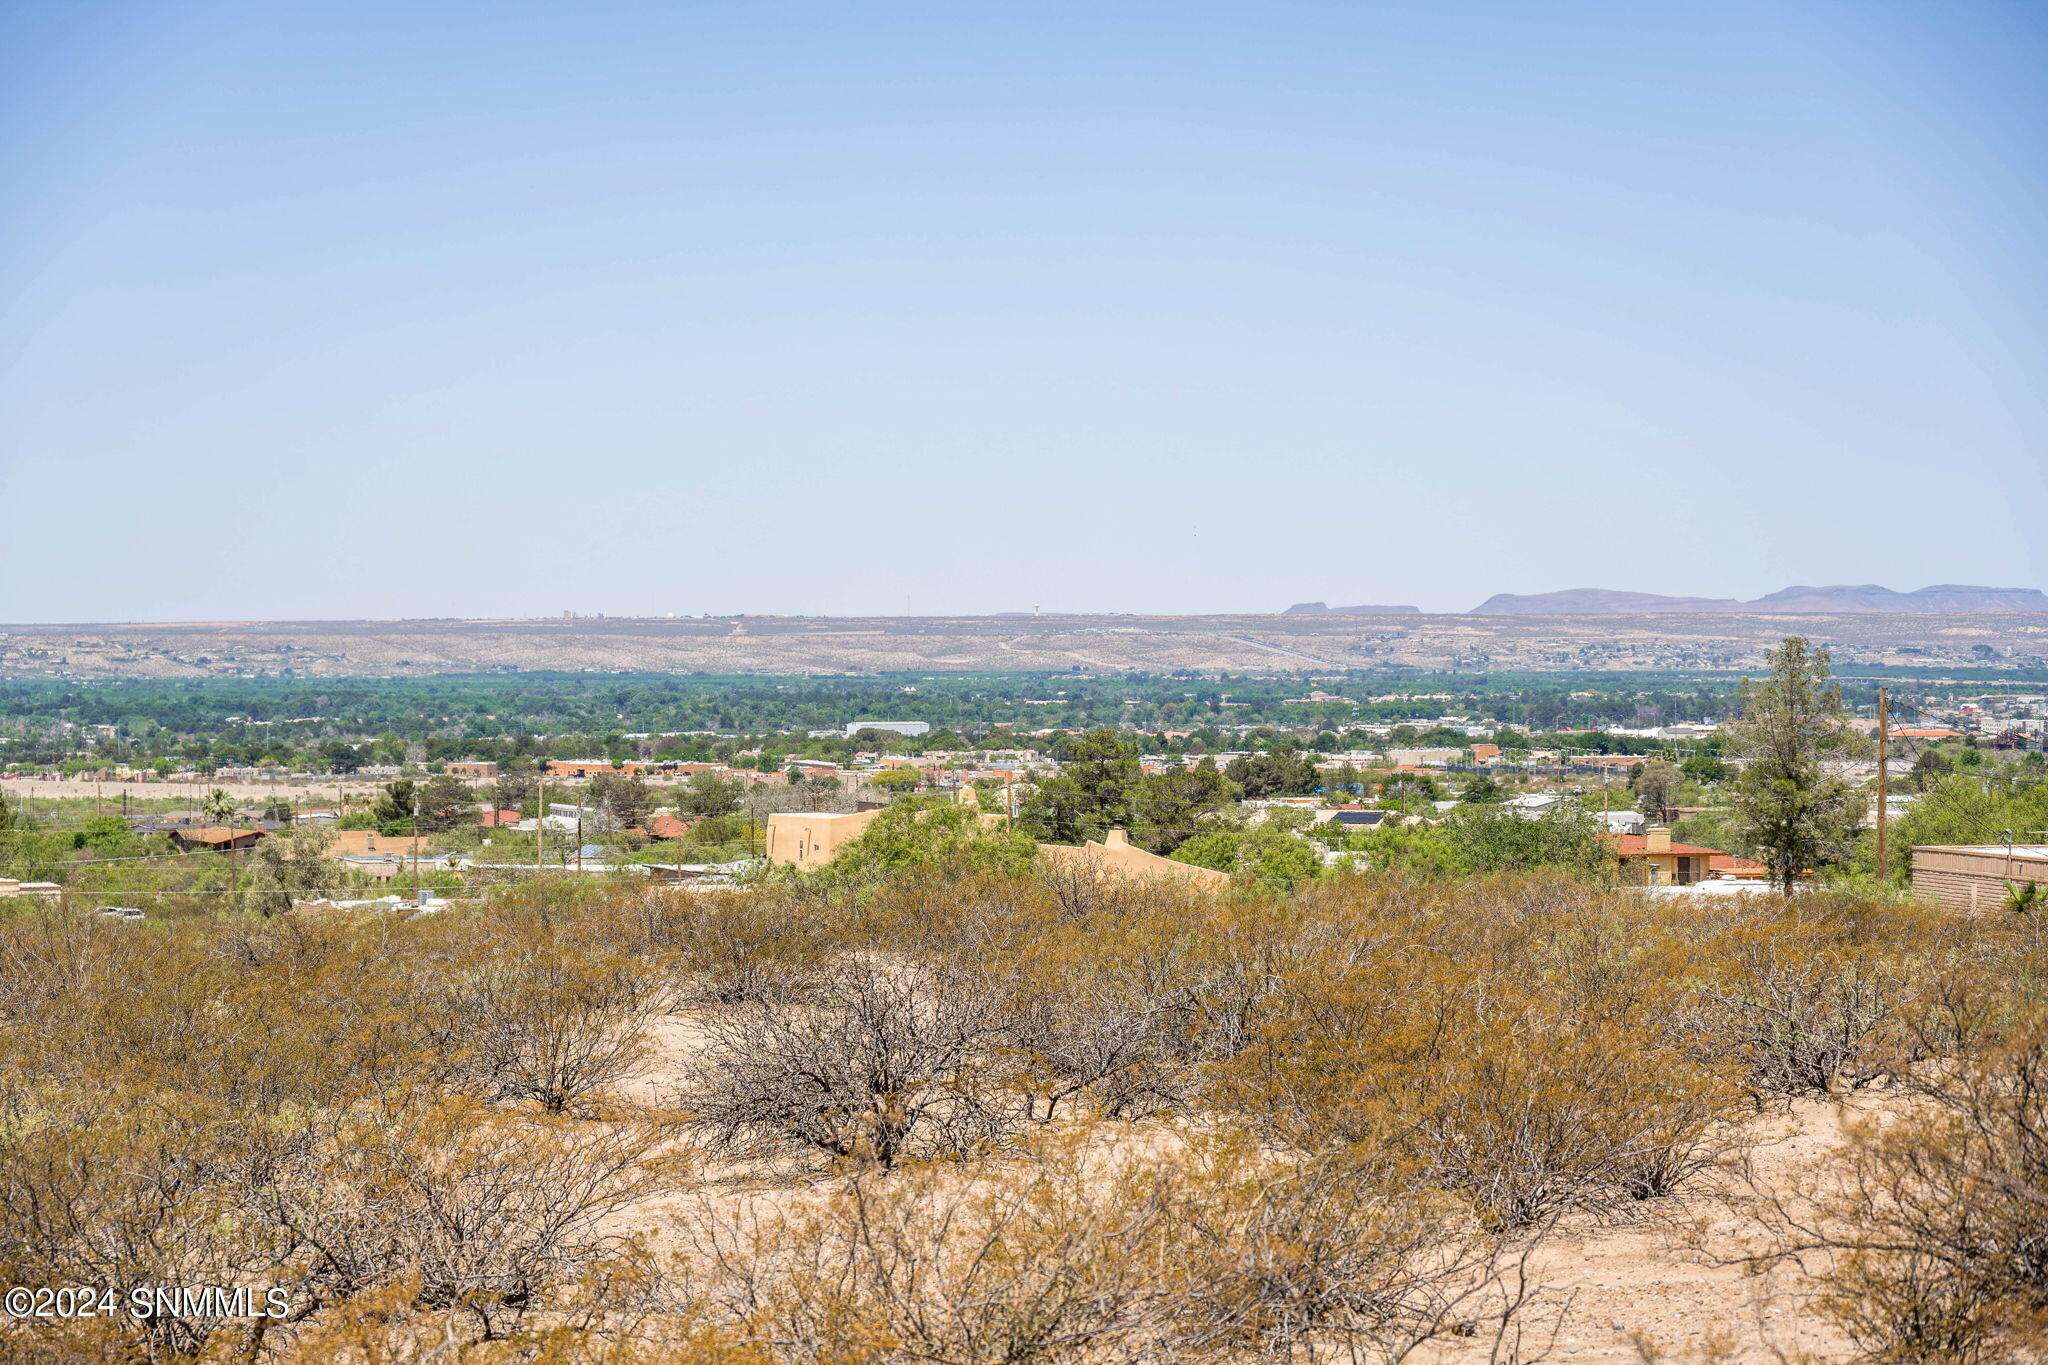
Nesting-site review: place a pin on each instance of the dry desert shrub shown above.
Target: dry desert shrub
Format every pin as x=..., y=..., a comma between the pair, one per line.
x=619, y=1315
x=546, y=1010
x=734, y=948
x=1083, y=892
x=1527, y=1114
x=1933, y=1232
x=882, y=1062
x=1590, y=1119
x=284, y=1104
x=1105, y=1030
x=924, y=1265
x=1524, y=1059
x=1116, y=1011
x=1223, y=1253
x=411, y=1123
x=1802, y=1020
x=475, y=1209
x=144, y=1188
x=1342, y=1256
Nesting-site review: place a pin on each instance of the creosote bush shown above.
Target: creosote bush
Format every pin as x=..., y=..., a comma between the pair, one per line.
x=882, y=1061
x=983, y=1116
x=1935, y=1239
x=1218, y=1252
x=331, y=1107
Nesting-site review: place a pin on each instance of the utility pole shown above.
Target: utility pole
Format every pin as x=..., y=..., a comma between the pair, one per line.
x=1884, y=775
x=416, y=848
x=540, y=821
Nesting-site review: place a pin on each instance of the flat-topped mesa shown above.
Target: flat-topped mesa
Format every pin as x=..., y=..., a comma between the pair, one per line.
x=1319, y=609
x=1597, y=602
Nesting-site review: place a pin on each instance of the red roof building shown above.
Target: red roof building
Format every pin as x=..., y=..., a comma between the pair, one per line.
x=664, y=827
x=1657, y=861
x=1733, y=865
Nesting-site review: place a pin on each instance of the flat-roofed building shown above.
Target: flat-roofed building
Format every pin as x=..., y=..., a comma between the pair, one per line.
x=1973, y=877
x=579, y=767
x=809, y=839
x=219, y=838
x=358, y=843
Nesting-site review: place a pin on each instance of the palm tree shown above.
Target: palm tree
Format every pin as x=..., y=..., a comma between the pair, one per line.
x=2021, y=897
x=218, y=807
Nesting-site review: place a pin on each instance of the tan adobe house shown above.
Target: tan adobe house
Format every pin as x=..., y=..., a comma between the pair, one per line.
x=219, y=838
x=356, y=843
x=809, y=840
x=1117, y=855
x=1653, y=859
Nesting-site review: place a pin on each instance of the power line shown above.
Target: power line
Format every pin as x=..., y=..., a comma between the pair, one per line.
x=134, y=858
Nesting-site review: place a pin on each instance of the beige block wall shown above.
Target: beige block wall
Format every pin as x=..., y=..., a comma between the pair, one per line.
x=1971, y=880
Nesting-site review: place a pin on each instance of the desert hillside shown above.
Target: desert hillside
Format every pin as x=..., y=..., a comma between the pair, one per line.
x=1153, y=644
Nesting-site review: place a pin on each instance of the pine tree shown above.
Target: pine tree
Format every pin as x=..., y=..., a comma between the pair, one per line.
x=1794, y=814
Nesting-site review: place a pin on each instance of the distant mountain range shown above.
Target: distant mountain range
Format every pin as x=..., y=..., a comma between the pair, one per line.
x=1318, y=609
x=1597, y=602
x=1861, y=597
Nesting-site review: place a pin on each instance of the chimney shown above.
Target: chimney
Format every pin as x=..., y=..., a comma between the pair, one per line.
x=1115, y=839
x=1657, y=839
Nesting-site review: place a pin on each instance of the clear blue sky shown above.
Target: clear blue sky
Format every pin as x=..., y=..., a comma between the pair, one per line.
x=414, y=309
